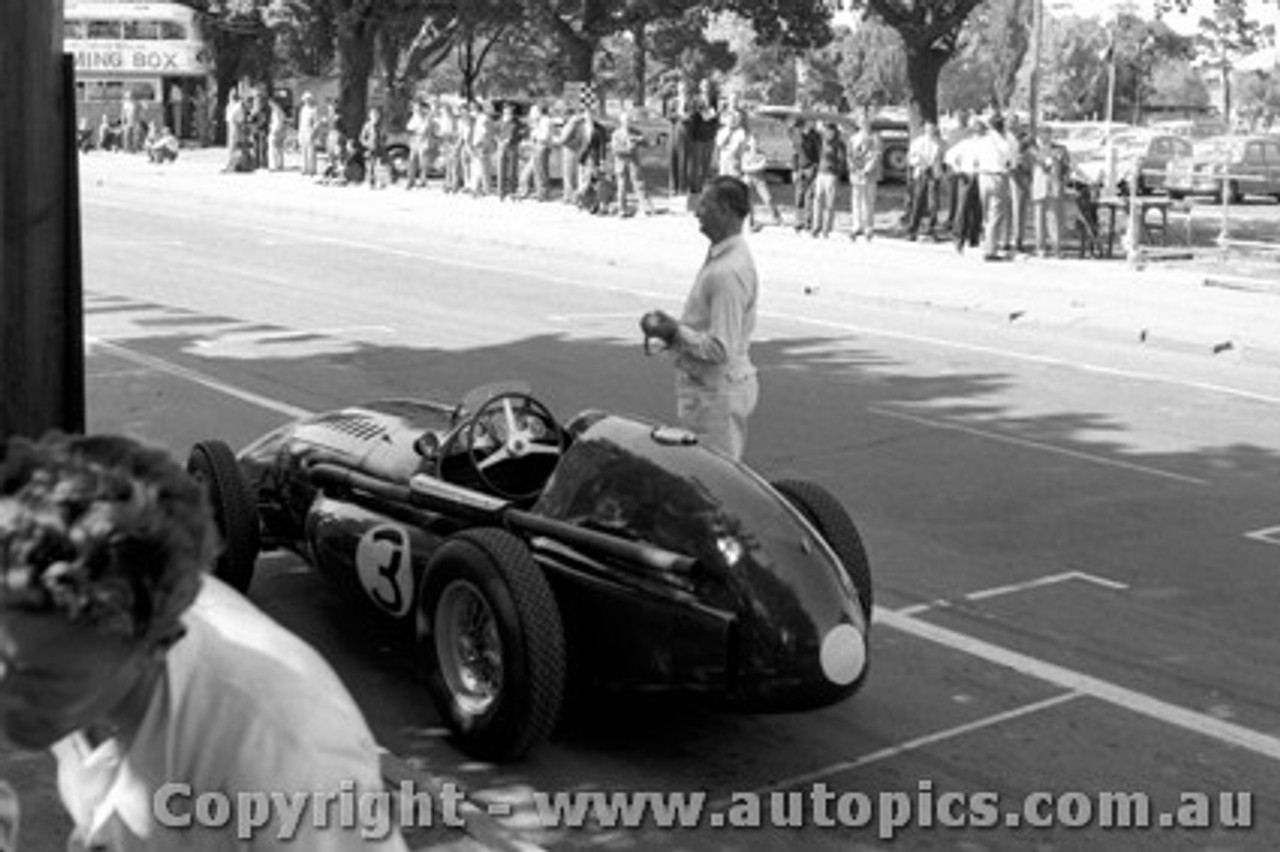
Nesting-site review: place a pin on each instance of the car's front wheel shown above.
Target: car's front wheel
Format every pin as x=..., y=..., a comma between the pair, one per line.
x=213, y=464
x=821, y=509
x=493, y=634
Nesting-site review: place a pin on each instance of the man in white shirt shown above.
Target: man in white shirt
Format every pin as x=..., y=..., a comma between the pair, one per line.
x=966, y=216
x=924, y=160
x=154, y=684
x=994, y=162
x=716, y=385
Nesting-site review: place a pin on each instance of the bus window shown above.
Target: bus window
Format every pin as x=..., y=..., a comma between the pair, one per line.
x=172, y=31
x=141, y=30
x=104, y=30
x=73, y=30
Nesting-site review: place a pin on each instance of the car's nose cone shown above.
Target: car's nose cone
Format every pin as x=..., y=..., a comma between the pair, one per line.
x=843, y=654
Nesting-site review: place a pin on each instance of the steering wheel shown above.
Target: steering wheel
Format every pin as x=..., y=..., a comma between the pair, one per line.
x=520, y=427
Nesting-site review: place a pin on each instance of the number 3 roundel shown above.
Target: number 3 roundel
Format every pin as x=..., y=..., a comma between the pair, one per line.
x=382, y=561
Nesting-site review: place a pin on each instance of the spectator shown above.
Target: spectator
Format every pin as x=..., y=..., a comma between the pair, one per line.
x=506, y=158
x=162, y=145
x=963, y=161
x=131, y=118
x=308, y=125
x=955, y=194
x=480, y=149
x=235, y=118
x=705, y=132
x=731, y=145
x=110, y=134
x=591, y=160
x=422, y=144
x=373, y=141
x=924, y=161
x=806, y=144
x=278, y=125
x=995, y=160
x=258, y=124
x=139, y=671
x=537, y=170
x=754, y=165
x=457, y=173
x=1021, y=147
x=832, y=163
x=1051, y=166
x=573, y=139
x=684, y=123
x=626, y=142
x=865, y=154
x=716, y=384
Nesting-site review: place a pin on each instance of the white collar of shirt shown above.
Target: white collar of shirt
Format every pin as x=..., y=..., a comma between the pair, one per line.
x=723, y=247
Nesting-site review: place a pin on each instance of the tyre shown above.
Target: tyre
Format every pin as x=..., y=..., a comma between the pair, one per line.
x=821, y=509
x=495, y=642
x=234, y=511
x=1234, y=195
x=1176, y=195
x=894, y=162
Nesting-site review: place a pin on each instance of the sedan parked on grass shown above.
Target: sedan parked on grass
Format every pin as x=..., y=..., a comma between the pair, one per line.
x=1242, y=165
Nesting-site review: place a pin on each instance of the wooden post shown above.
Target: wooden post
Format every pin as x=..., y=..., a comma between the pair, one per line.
x=41, y=340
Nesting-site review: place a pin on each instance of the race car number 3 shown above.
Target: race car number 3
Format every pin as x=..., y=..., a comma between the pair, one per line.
x=382, y=561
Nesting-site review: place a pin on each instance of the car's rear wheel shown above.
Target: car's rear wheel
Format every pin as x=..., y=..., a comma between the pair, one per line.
x=1176, y=195
x=213, y=464
x=821, y=509
x=496, y=643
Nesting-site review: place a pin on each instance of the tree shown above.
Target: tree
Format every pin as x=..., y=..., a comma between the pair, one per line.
x=871, y=65
x=581, y=27
x=930, y=32
x=1227, y=35
x=241, y=41
x=993, y=50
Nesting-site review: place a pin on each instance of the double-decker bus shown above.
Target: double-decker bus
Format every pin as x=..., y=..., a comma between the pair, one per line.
x=154, y=51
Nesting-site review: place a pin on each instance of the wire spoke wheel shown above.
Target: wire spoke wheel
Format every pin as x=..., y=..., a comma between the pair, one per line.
x=469, y=649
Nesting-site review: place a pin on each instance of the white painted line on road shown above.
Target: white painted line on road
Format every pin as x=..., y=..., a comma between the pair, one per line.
x=597, y=316
x=853, y=328
x=1037, y=445
x=893, y=751
x=1049, y=580
x=198, y=378
x=1255, y=742
x=1271, y=535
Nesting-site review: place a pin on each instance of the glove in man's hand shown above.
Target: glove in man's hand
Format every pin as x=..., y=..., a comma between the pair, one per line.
x=661, y=325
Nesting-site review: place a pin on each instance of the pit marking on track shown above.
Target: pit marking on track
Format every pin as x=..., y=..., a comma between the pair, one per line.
x=1270, y=535
x=1014, y=588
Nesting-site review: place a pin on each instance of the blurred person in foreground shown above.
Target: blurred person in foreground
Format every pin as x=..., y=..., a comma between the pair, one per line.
x=141, y=672
x=716, y=384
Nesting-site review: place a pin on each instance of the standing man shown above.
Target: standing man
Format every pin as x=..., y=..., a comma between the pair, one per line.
x=542, y=132
x=995, y=161
x=308, y=122
x=1050, y=166
x=832, y=163
x=806, y=145
x=955, y=193
x=966, y=215
x=716, y=385
x=683, y=126
x=865, y=153
x=235, y=118
x=924, y=160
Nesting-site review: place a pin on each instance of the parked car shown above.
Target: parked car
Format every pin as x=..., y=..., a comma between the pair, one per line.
x=1243, y=165
x=1150, y=153
x=517, y=552
x=772, y=123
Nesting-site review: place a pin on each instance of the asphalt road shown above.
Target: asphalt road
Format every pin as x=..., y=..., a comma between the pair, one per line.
x=1075, y=544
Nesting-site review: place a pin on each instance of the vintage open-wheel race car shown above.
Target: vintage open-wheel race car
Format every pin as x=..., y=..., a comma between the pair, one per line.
x=519, y=552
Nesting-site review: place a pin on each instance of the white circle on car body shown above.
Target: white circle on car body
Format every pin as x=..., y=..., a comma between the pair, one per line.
x=385, y=569
x=843, y=654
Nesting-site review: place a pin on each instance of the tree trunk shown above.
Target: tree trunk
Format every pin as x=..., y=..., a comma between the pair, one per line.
x=355, y=64
x=641, y=39
x=924, y=67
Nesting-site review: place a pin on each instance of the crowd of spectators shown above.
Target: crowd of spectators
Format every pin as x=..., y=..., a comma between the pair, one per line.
x=985, y=183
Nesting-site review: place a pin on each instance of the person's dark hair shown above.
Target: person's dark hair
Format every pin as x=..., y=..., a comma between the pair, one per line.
x=104, y=530
x=732, y=193
x=997, y=123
